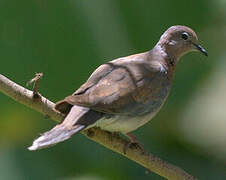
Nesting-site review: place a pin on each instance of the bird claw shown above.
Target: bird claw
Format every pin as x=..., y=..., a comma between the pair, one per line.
x=133, y=143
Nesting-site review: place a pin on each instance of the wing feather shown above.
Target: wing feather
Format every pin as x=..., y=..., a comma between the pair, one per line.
x=117, y=86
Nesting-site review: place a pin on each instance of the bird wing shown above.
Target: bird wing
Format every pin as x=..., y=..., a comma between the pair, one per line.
x=109, y=90
x=112, y=88
x=118, y=86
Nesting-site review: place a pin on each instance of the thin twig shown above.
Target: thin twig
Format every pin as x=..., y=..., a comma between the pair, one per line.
x=36, y=83
x=109, y=140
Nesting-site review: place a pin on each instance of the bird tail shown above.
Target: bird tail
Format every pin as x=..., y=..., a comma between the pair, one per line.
x=77, y=119
x=58, y=134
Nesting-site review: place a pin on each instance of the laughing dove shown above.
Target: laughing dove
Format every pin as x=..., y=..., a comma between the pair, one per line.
x=125, y=93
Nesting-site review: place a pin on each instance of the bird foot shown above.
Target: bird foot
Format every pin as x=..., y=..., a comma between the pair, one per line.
x=132, y=143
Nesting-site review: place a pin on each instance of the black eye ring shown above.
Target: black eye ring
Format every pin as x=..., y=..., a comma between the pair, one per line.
x=184, y=36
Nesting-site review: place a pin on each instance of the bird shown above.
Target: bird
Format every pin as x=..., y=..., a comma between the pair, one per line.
x=126, y=93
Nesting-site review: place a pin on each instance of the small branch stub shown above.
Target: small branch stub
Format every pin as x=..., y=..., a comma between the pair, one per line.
x=35, y=80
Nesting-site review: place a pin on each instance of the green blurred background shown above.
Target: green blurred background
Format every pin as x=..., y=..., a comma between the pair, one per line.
x=67, y=40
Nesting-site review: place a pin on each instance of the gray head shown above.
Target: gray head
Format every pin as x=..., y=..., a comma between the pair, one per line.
x=179, y=40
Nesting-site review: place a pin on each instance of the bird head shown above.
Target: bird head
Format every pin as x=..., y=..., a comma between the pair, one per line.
x=179, y=40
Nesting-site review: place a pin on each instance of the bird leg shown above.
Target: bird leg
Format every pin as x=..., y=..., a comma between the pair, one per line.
x=133, y=142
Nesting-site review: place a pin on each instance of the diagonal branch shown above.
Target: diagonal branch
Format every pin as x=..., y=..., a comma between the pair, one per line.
x=109, y=140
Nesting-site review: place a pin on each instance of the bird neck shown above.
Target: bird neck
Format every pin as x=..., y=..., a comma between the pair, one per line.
x=159, y=54
x=169, y=59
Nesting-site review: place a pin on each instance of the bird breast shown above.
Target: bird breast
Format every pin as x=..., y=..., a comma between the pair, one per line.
x=150, y=94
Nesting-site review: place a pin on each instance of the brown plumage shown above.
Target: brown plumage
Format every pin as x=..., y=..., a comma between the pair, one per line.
x=125, y=93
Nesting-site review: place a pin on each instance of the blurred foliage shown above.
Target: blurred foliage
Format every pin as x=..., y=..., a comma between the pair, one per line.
x=67, y=40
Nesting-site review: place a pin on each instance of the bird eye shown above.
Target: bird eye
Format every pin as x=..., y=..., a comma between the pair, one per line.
x=184, y=36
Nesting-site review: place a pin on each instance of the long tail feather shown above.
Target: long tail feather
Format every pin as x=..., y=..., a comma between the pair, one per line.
x=58, y=134
x=77, y=119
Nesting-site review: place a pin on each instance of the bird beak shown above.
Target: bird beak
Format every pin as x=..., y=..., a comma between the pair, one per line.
x=200, y=48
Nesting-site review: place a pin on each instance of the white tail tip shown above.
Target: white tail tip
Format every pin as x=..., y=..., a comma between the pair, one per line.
x=58, y=134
